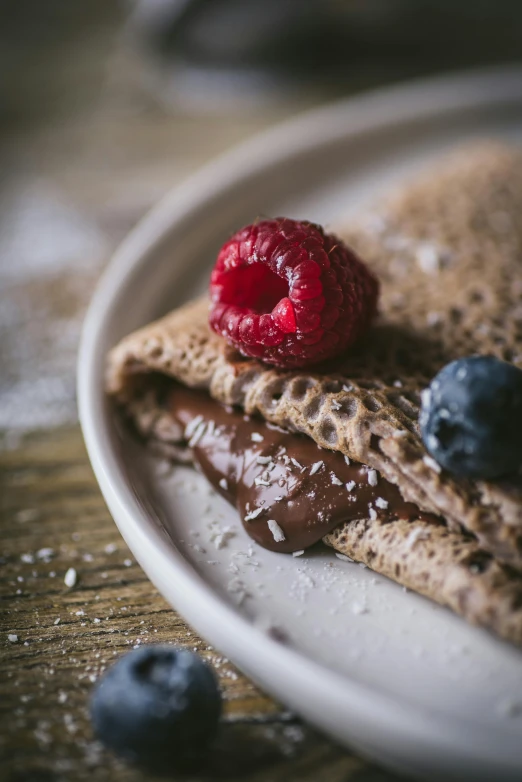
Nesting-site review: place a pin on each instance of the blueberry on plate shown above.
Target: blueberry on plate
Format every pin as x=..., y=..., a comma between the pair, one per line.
x=158, y=706
x=471, y=417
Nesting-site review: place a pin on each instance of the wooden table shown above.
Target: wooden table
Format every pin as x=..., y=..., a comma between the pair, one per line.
x=86, y=151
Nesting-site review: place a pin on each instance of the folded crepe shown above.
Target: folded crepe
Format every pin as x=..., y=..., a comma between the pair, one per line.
x=448, y=252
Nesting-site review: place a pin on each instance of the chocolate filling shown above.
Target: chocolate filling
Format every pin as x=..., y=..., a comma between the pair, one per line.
x=288, y=491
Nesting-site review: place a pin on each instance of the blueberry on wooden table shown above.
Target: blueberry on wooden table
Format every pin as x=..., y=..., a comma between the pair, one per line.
x=471, y=417
x=157, y=706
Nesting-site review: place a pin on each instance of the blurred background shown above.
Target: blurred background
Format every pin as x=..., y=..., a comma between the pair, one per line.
x=107, y=104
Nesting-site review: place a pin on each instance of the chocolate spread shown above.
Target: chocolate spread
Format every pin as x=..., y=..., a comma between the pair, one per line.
x=289, y=492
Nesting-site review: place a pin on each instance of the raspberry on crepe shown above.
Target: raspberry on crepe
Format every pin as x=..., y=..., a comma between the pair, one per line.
x=286, y=292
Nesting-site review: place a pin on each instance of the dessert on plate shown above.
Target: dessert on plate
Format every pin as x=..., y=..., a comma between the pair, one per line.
x=362, y=388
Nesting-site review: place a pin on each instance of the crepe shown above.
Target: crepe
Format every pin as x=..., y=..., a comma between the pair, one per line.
x=448, y=252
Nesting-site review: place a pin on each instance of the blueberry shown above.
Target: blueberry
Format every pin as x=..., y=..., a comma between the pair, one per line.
x=158, y=706
x=471, y=417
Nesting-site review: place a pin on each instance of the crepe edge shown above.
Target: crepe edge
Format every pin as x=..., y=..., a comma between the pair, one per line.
x=448, y=567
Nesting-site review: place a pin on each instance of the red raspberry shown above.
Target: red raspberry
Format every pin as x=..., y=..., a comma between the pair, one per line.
x=288, y=293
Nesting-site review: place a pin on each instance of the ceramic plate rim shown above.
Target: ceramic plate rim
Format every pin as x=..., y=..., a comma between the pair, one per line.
x=373, y=721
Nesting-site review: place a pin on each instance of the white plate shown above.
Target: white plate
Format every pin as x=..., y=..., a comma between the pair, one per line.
x=399, y=679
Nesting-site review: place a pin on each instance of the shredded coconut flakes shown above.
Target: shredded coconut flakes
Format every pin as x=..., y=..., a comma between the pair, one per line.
x=276, y=530
x=198, y=434
x=316, y=467
x=192, y=426
x=373, y=478
x=71, y=578
x=254, y=514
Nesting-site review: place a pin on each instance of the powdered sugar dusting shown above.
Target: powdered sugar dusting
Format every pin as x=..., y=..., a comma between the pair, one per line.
x=50, y=258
